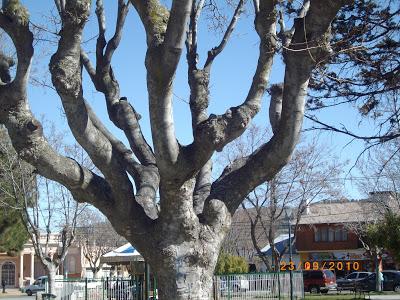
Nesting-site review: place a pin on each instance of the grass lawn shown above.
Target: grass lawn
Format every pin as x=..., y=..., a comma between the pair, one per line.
x=335, y=296
x=330, y=297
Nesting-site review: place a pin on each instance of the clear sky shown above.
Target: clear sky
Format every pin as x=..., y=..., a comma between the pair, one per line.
x=230, y=80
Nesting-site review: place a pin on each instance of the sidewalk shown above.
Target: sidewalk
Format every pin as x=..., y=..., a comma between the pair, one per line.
x=385, y=297
x=11, y=293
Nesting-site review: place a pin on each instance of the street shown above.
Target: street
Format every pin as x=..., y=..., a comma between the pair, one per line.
x=17, y=297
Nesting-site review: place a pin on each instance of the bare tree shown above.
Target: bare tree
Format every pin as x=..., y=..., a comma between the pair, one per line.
x=380, y=183
x=308, y=177
x=47, y=209
x=96, y=237
x=181, y=239
x=380, y=173
x=365, y=230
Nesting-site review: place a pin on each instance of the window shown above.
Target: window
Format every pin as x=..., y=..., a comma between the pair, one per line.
x=372, y=277
x=316, y=275
x=324, y=234
x=321, y=234
x=338, y=234
x=316, y=235
x=388, y=276
x=363, y=275
x=329, y=274
x=352, y=276
x=344, y=234
x=329, y=234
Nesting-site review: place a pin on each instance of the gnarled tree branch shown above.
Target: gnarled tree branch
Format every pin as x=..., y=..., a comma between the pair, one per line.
x=107, y=153
x=245, y=174
x=121, y=111
x=215, y=132
x=27, y=135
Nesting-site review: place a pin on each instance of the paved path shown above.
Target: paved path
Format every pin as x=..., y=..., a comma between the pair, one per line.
x=10, y=293
x=15, y=294
x=17, y=297
x=385, y=297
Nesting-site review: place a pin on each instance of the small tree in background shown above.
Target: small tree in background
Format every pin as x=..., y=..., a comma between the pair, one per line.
x=385, y=234
x=381, y=182
x=231, y=264
x=390, y=230
x=372, y=240
x=13, y=234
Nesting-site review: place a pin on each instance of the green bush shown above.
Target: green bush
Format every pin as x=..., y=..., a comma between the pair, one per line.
x=231, y=264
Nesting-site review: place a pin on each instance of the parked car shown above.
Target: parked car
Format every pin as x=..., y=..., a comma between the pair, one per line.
x=348, y=283
x=391, y=282
x=37, y=286
x=316, y=281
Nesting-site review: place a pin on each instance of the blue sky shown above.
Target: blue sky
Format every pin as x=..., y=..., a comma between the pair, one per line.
x=231, y=77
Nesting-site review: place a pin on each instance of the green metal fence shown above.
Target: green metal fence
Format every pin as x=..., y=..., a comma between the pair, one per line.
x=225, y=287
x=105, y=289
x=258, y=286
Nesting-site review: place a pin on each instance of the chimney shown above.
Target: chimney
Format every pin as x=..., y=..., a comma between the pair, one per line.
x=381, y=196
x=384, y=199
x=308, y=209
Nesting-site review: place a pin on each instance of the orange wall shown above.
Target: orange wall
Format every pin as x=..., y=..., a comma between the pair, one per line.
x=305, y=240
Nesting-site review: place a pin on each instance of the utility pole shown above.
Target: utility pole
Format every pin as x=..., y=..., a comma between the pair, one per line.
x=288, y=216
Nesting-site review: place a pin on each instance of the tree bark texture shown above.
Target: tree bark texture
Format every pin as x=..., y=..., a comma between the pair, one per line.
x=180, y=233
x=51, y=273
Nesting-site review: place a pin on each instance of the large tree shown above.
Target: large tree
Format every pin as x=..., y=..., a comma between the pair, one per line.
x=181, y=236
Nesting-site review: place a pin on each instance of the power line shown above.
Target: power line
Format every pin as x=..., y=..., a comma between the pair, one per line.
x=356, y=178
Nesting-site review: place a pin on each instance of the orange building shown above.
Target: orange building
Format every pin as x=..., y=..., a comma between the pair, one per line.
x=24, y=267
x=326, y=236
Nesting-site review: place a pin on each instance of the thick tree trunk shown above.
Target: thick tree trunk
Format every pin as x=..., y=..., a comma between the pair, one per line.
x=190, y=277
x=184, y=267
x=185, y=254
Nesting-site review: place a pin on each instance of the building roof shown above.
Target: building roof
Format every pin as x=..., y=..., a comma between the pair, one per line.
x=349, y=211
x=281, y=243
x=125, y=253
